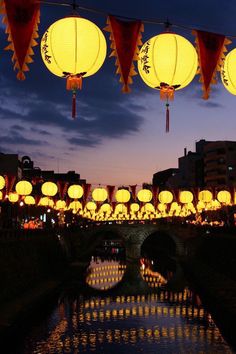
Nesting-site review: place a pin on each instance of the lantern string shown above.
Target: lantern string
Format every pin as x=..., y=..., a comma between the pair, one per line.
x=144, y=20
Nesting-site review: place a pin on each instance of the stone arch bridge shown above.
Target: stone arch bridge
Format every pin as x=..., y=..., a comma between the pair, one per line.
x=84, y=242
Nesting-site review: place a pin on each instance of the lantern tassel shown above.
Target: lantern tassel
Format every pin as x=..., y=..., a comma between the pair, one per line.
x=73, y=113
x=167, y=118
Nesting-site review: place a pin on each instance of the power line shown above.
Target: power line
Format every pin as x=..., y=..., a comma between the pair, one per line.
x=105, y=14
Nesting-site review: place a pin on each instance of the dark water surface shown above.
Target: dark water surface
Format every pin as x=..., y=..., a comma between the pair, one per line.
x=163, y=321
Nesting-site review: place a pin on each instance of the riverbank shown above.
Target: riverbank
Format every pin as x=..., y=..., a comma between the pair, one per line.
x=212, y=271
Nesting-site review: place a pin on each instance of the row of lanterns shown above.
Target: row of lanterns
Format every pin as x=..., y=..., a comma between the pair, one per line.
x=74, y=48
x=99, y=209
x=75, y=191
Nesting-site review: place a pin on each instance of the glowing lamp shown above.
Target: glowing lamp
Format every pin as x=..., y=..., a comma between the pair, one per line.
x=106, y=208
x=165, y=197
x=224, y=197
x=49, y=189
x=122, y=196
x=120, y=208
x=134, y=207
x=73, y=48
x=91, y=206
x=47, y=202
x=75, y=191
x=99, y=194
x=23, y=188
x=60, y=204
x=228, y=72
x=1, y=195
x=144, y=195
x=75, y=205
x=2, y=182
x=29, y=200
x=149, y=208
x=205, y=196
x=13, y=197
x=185, y=197
x=167, y=62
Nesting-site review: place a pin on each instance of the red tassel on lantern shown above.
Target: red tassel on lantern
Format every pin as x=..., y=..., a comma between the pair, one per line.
x=73, y=83
x=167, y=118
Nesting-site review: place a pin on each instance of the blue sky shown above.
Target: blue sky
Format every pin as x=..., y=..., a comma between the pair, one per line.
x=117, y=139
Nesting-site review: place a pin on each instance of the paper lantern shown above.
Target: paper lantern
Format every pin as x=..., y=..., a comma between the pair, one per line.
x=13, y=197
x=165, y=197
x=106, y=208
x=75, y=191
x=99, y=194
x=134, y=207
x=144, y=195
x=120, y=208
x=29, y=200
x=167, y=62
x=2, y=182
x=122, y=196
x=205, y=196
x=91, y=206
x=75, y=205
x=1, y=195
x=24, y=188
x=224, y=197
x=45, y=201
x=228, y=72
x=185, y=197
x=49, y=189
x=149, y=208
x=60, y=204
x=73, y=48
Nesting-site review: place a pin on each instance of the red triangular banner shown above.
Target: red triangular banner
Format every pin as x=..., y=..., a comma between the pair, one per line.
x=21, y=18
x=125, y=38
x=211, y=48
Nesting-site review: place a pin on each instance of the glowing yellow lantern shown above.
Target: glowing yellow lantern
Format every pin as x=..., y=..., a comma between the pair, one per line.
x=224, y=197
x=49, y=189
x=144, y=195
x=91, y=206
x=75, y=191
x=60, y=204
x=134, y=207
x=2, y=182
x=185, y=197
x=1, y=195
x=205, y=196
x=75, y=205
x=167, y=62
x=122, y=195
x=228, y=72
x=148, y=208
x=120, y=208
x=73, y=48
x=13, y=197
x=161, y=207
x=23, y=188
x=165, y=197
x=45, y=201
x=29, y=200
x=106, y=208
x=99, y=194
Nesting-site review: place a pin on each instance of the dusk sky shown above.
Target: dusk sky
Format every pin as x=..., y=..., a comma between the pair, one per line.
x=117, y=138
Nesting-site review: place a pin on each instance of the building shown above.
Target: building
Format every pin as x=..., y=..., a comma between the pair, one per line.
x=220, y=163
x=213, y=164
x=10, y=165
x=162, y=178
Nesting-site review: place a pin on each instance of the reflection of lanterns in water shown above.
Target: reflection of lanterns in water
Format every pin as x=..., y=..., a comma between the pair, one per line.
x=104, y=275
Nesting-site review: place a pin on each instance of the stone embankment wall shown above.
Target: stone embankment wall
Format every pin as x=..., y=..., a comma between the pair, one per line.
x=212, y=271
x=26, y=259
